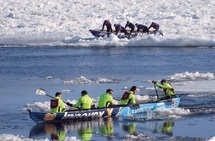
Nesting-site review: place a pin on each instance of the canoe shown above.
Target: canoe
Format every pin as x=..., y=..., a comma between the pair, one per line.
x=116, y=111
x=99, y=33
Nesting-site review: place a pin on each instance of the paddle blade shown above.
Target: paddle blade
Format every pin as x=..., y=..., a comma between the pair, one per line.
x=40, y=91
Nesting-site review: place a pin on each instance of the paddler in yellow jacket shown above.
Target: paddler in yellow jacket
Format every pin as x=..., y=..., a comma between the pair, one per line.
x=84, y=102
x=106, y=100
x=57, y=104
x=167, y=89
x=129, y=97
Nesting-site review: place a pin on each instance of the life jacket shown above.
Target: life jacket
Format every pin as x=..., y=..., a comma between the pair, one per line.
x=54, y=103
x=125, y=95
x=166, y=90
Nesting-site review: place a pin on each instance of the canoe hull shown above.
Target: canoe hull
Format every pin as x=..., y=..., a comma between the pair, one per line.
x=126, y=111
x=40, y=117
x=99, y=33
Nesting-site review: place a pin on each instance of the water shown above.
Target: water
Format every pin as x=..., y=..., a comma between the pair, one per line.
x=72, y=69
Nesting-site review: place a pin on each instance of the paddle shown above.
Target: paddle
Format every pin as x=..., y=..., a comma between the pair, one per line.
x=41, y=91
x=156, y=90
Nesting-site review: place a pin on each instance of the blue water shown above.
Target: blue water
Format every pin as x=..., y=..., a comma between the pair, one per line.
x=65, y=62
x=24, y=69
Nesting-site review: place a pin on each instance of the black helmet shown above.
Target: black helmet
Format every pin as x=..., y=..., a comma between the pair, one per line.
x=114, y=25
x=84, y=92
x=136, y=24
x=163, y=81
x=133, y=88
x=57, y=93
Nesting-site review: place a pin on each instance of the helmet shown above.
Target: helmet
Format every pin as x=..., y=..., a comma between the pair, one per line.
x=84, y=92
x=136, y=24
x=133, y=88
x=114, y=25
x=163, y=81
x=57, y=93
x=109, y=90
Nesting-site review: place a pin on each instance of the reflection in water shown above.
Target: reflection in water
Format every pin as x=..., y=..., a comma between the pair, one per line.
x=85, y=133
x=130, y=128
x=102, y=129
x=59, y=130
x=166, y=128
x=107, y=129
x=56, y=131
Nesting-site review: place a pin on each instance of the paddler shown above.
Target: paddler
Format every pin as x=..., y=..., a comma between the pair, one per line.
x=57, y=104
x=130, y=25
x=106, y=100
x=108, y=26
x=129, y=97
x=84, y=102
x=156, y=27
x=167, y=89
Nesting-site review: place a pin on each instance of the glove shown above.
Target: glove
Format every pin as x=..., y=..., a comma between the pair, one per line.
x=69, y=104
x=93, y=106
x=153, y=81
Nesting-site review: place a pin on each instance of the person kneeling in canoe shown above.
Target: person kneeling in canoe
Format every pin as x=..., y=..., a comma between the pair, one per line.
x=142, y=28
x=156, y=27
x=130, y=25
x=84, y=102
x=120, y=29
x=106, y=100
x=129, y=97
x=108, y=26
x=167, y=89
x=57, y=104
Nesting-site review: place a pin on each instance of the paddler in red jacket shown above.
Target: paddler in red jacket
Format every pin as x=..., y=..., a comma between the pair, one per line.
x=120, y=29
x=108, y=26
x=156, y=27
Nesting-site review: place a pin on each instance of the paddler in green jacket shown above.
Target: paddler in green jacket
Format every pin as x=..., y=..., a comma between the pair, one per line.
x=57, y=104
x=167, y=89
x=106, y=100
x=84, y=102
x=129, y=97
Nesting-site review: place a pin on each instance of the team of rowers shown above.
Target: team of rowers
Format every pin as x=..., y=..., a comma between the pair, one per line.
x=140, y=27
x=106, y=100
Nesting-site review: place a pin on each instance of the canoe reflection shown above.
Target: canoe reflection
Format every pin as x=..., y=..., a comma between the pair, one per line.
x=101, y=129
x=84, y=129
